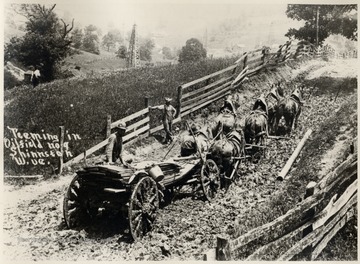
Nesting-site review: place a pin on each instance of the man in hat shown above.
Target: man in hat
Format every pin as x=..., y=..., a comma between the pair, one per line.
x=169, y=113
x=114, y=146
x=35, y=76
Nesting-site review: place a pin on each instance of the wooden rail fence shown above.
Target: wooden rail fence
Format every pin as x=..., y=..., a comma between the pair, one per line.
x=199, y=93
x=311, y=223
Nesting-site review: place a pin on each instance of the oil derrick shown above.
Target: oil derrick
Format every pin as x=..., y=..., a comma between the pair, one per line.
x=133, y=54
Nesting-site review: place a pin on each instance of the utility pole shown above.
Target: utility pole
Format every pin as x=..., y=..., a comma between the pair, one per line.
x=317, y=25
x=134, y=56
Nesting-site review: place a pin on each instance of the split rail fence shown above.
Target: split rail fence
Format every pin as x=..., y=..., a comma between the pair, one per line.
x=327, y=206
x=199, y=93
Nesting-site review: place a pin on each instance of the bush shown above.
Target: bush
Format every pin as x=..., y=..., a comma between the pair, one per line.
x=10, y=81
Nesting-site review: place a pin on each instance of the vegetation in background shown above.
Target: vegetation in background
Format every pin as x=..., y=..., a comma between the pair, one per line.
x=332, y=19
x=90, y=41
x=145, y=49
x=46, y=41
x=81, y=105
x=192, y=51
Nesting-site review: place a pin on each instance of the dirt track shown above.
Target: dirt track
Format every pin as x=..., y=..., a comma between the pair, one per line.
x=34, y=228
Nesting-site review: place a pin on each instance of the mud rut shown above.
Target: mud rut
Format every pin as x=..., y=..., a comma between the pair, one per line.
x=185, y=228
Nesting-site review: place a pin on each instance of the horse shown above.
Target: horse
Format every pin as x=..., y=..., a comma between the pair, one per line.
x=289, y=110
x=227, y=116
x=197, y=140
x=224, y=149
x=272, y=99
x=256, y=124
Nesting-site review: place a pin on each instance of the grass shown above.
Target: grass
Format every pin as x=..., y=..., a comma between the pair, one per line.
x=82, y=104
x=307, y=168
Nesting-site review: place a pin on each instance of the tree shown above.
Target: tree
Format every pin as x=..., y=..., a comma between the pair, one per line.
x=77, y=37
x=192, y=51
x=91, y=40
x=111, y=38
x=145, y=49
x=46, y=41
x=167, y=53
x=122, y=52
x=322, y=21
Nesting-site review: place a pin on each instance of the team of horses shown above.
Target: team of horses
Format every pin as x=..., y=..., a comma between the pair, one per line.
x=224, y=138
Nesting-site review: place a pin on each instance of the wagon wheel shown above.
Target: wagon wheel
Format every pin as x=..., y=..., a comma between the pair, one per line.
x=143, y=205
x=210, y=179
x=73, y=206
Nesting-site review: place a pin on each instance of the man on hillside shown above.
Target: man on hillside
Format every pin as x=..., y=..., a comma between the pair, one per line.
x=114, y=146
x=169, y=113
x=35, y=76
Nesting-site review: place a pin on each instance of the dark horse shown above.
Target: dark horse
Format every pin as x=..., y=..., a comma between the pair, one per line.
x=256, y=126
x=224, y=149
x=289, y=110
x=272, y=99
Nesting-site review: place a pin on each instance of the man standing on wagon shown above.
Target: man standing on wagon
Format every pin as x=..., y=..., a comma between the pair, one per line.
x=169, y=113
x=114, y=146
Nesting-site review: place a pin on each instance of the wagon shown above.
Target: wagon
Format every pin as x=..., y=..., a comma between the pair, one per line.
x=135, y=192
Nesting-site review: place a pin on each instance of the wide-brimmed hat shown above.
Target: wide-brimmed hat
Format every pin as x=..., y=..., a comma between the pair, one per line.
x=168, y=99
x=121, y=125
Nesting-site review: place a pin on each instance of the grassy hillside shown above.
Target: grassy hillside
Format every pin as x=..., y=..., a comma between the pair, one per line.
x=82, y=104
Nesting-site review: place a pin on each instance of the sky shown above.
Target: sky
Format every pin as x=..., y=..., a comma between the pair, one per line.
x=158, y=15
x=175, y=19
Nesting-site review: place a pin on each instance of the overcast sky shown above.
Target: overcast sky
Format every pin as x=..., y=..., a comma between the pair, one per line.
x=156, y=15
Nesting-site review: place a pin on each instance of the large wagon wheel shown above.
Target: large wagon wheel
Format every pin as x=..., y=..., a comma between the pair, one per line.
x=210, y=179
x=74, y=209
x=143, y=206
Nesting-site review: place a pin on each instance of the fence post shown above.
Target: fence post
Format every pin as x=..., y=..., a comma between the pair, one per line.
x=310, y=190
x=108, y=126
x=263, y=55
x=245, y=60
x=179, y=101
x=85, y=163
x=223, y=251
x=61, y=143
x=146, y=102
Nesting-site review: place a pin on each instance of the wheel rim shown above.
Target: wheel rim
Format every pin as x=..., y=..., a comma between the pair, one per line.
x=143, y=206
x=210, y=179
x=74, y=211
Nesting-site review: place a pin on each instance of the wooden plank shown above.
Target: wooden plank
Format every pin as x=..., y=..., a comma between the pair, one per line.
x=138, y=123
x=254, y=61
x=186, y=85
x=323, y=243
x=241, y=75
x=160, y=127
x=202, y=96
x=223, y=88
x=254, y=70
x=264, y=250
x=351, y=161
x=278, y=223
x=296, y=153
x=333, y=207
x=223, y=249
x=112, y=190
x=136, y=133
x=88, y=152
x=130, y=117
x=211, y=85
x=316, y=234
x=224, y=93
x=254, y=51
x=23, y=176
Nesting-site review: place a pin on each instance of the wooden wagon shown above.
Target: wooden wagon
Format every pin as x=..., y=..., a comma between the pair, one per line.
x=134, y=191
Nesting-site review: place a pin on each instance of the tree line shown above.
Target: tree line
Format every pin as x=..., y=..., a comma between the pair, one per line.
x=48, y=39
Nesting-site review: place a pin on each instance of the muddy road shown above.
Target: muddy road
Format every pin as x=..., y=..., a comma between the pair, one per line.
x=33, y=225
